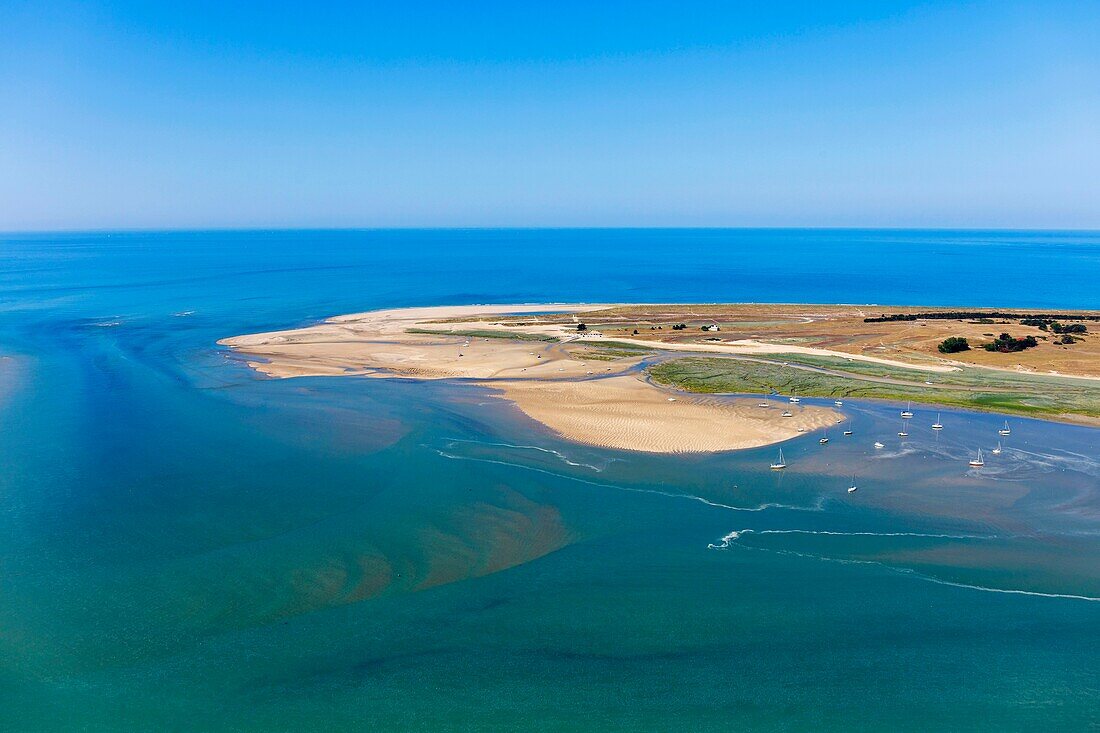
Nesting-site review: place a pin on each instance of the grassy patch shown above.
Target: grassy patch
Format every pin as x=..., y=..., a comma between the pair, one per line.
x=986, y=391
x=488, y=334
x=621, y=346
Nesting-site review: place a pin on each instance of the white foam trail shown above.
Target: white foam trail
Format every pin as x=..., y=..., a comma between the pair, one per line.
x=869, y=534
x=728, y=540
x=557, y=454
x=736, y=535
x=987, y=589
x=816, y=507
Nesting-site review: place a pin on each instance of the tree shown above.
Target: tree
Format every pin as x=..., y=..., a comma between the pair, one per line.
x=582, y=327
x=1006, y=344
x=954, y=345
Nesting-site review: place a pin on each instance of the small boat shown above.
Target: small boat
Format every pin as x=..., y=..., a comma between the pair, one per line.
x=787, y=413
x=902, y=433
x=879, y=445
x=978, y=461
x=765, y=402
x=852, y=488
x=1004, y=430
x=996, y=451
x=824, y=439
x=838, y=403
x=849, y=430
x=907, y=412
x=937, y=425
x=779, y=464
x=795, y=399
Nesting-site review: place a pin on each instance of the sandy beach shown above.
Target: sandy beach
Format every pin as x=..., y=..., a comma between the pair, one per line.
x=625, y=412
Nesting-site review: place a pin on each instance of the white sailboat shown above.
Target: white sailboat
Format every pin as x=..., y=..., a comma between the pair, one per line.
x=764, y=403
x=879, y=445
x=787, y=413
x=902, y=433
x=937, y=425
x=978, y=461
x=908, y=411
x=824, y=439
x=838, y=403
x=795, y=400
x=997, y=451
x=849, y=430
x=852, y=488
x=779, y=464
x=1005, y=430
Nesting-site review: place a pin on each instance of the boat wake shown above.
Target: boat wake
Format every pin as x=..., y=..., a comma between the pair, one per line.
x=729, y=540
x=557, y=454
x=732, y=537
x=817, y=506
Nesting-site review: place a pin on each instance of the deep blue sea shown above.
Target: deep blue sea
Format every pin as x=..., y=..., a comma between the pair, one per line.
x=187, y=546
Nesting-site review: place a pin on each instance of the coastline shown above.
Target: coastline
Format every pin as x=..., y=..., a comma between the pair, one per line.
x=591, y=385
x=591, y=400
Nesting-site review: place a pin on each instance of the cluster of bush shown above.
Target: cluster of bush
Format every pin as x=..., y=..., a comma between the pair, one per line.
x=954, y=345
x=679, y=327
x=1052, y=325
x=1007, y=344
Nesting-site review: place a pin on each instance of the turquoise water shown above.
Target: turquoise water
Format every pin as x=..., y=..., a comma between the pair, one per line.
x=187, y=546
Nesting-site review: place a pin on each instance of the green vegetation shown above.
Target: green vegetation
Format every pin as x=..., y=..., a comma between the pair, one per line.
x=1007, y=344
x=609, y=350
x=976, y=389
x=1048, y=324
x=582, y=327
x=954, y=345
x=487, y=334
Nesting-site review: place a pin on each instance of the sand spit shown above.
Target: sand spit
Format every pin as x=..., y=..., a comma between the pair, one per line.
x=592, y=401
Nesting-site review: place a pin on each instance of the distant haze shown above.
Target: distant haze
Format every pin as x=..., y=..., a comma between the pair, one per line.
x=118, y=115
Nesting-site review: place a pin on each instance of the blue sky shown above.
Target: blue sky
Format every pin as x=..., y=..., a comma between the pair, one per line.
x=138, y=115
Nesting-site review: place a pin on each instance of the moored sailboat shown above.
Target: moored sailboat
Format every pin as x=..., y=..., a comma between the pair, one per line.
x=779, y=464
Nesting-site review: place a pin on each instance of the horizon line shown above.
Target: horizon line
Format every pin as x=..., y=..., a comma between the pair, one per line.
x=445, y=228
